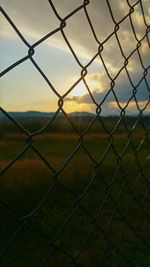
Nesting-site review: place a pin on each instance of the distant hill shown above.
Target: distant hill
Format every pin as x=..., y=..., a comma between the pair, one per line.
x=38, y=114
x=81, y=114
x=33, y=121
x=27, y=114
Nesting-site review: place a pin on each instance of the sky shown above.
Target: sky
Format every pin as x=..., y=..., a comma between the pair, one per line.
x=23, y=88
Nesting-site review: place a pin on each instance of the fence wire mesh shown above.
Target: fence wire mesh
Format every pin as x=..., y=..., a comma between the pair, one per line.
x=111, y=225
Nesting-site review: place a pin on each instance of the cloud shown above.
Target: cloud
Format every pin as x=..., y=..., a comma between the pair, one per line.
x=36, y=18
x=122, y=89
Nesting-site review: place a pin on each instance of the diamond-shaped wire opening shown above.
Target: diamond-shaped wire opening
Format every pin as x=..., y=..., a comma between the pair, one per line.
x=8, y=49
x=140, y=140
x=96, y=139
x=111, y=249
x=53, y=213
x=8, y=215
x=26, y=95
x=78, y=100
x=144, y=52
x=59, y=257
x=145, y=6
x=108, y=165
x=142, y=95
x=126, y=37
x=10, y=134
x=110, y=108
x=91, y=251
x=82, y=121
x=95, y=195
x=97, y=81
x=120, y=9
x=84, y=46
x=57, y=141
x=27, y=248
x=74, y=176
x=101, y=13
x=135, y=69
x=138, y=22
x=59, y=73
x=22, y=186
x=112, y=56
x=121, y=143
x=68, y=8
x=32, y=19
x=73, y=235
x=123, y=90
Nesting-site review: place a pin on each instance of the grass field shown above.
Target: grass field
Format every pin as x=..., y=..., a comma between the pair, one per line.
x=97, y=210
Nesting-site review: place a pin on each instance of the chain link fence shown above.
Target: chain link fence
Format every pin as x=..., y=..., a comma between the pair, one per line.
x=106, y=220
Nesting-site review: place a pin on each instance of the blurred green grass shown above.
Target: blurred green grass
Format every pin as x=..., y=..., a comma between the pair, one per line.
x=120, y=234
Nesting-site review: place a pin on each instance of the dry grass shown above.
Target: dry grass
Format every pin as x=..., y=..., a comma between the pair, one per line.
x=26, y=182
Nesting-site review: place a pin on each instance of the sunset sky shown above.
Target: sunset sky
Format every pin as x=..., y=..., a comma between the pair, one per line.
x=23, y=88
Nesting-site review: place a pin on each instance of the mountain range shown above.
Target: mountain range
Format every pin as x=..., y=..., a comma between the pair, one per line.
x=38, y=114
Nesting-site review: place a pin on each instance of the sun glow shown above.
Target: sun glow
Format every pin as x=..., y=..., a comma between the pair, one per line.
x=80, y=89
